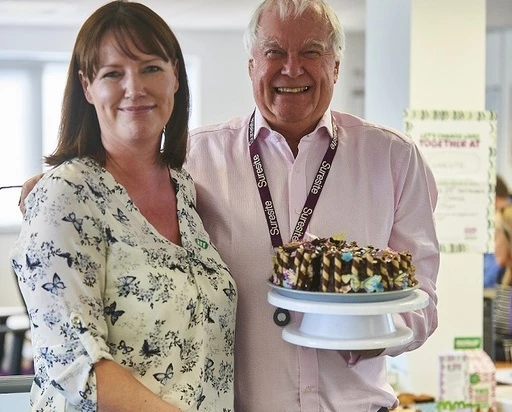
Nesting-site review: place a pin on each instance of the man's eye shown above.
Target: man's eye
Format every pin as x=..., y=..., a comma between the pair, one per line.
x=274, y=53
x=311, y=54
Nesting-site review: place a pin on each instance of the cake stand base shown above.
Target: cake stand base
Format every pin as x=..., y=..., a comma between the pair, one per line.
x=293, y=334
x=348, y=326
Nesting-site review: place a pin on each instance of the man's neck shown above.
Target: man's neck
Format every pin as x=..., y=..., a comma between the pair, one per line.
x=293, y=135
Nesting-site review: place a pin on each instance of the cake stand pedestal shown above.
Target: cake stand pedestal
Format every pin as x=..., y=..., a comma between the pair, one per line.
x=353, y=325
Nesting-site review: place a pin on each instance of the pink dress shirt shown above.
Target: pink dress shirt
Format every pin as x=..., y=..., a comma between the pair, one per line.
x=379, y=191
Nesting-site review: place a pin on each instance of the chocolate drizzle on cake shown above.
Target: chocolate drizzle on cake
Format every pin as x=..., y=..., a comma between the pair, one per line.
x=329, y=265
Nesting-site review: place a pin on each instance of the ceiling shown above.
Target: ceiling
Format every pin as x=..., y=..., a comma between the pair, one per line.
x=196, y=14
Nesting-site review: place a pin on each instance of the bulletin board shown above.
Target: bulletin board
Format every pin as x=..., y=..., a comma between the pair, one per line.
x=460, y=148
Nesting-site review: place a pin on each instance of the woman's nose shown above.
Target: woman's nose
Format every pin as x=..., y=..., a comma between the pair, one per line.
x=134, y=86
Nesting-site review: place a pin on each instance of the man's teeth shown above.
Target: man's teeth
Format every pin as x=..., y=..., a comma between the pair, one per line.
x=292, y=89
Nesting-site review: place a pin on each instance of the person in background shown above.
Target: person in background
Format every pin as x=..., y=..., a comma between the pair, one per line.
x=378, y=191
x=130, y=304
x=502, y=320
x=492, y=270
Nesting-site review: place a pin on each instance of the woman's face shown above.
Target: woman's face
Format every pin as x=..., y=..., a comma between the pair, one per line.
x=133, y=98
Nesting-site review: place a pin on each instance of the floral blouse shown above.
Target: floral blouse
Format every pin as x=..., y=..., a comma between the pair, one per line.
x=101, y=283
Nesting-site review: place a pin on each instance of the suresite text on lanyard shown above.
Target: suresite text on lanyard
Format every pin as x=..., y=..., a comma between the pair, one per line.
x=314, y=192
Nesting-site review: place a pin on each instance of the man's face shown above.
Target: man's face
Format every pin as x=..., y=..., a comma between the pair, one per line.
x=293, y=71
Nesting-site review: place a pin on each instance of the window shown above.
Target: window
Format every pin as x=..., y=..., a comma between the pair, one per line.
x=17, y=119
x=30, y=108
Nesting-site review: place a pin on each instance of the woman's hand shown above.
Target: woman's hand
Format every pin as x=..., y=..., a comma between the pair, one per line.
x=118, y=390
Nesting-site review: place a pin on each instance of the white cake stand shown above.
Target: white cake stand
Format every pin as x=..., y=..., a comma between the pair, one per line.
x=356, y=322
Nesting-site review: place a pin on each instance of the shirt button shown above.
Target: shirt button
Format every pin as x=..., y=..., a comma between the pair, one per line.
x=298, y=210
x=308, y=389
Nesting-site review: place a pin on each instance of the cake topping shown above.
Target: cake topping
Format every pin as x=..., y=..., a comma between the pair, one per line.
x=334, y=265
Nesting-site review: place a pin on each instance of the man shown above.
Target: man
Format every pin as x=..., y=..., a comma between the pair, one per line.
x=378, y=191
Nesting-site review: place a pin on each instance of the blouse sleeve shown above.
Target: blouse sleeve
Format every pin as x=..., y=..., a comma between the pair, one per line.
x=59, y=259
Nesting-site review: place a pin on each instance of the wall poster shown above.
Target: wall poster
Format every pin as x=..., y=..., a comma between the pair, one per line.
x=460, y=147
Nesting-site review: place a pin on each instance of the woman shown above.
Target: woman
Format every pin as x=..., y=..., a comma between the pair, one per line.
x=131, y=307
x=502, y=301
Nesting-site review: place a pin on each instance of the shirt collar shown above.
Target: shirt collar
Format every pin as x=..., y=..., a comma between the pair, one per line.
x=262, y=129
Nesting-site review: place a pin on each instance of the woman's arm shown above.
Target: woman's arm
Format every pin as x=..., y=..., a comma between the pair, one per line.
x=118, y=390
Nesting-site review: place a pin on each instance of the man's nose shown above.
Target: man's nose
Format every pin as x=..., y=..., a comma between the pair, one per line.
x=292, y=66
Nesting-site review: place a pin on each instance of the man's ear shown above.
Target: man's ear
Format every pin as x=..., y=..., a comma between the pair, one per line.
x=250, y=66
x=85, y=85
x=336, y=71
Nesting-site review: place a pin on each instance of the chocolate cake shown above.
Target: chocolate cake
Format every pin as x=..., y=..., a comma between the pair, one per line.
x=330, y=265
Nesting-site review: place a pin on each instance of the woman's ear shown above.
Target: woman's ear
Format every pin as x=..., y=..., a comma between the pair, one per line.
x=84, y=81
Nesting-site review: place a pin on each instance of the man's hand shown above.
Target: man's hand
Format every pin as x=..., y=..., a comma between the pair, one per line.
x=357, y=355
x=26, y=189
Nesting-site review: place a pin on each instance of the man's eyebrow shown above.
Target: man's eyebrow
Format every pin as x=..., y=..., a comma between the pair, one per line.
x=320, y=44
x=270, y=43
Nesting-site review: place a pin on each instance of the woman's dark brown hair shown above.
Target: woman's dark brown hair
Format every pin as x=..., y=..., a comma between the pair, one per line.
x=131, y=23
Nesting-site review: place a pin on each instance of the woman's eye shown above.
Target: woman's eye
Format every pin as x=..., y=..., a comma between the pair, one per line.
x=111, y=74
x=152, y=69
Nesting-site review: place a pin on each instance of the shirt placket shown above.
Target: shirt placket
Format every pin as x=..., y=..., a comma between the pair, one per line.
x=307, y=357
x=308, y=379
x=298, y=191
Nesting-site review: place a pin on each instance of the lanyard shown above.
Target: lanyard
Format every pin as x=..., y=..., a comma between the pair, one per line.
x=314, y=192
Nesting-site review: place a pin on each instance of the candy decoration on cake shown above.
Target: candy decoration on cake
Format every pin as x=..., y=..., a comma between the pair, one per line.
x=335, y=265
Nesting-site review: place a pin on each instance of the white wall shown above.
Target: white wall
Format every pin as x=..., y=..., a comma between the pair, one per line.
x=499, y=95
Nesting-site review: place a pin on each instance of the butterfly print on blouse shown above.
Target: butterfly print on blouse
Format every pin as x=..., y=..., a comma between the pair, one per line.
x=208, y=316
x=164, y=377
x=200, y=399
x=32, y=264
x=81, y=328
x=16, y=266
x=77, y=223
x=95, y=191
x=147, y=351
x=120, y=216
x=78, y=188
x=110, y=238
x=193, y=316
x=67, y=256
x=56, y=385
x=124, y=347
x=85, y=394
x=208, y=367
x=230, y=292
x=112, y=312
x=54, y=286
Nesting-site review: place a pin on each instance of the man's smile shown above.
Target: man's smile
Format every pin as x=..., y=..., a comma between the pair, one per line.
x=291, y=89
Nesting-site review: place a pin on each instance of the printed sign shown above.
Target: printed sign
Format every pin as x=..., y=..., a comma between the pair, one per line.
x=460, y=148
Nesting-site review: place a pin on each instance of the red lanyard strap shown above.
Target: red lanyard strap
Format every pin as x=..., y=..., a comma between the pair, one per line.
x=314, y=192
